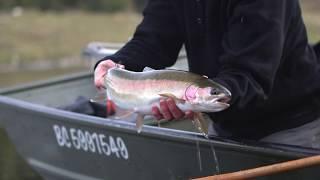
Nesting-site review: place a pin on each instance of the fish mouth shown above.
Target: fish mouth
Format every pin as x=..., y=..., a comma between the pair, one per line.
x=221, y=102
x=217, y=106
x=224, y=99
x=221, y=98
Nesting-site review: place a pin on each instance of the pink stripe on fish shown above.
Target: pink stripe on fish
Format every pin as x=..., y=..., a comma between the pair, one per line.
x=136, y=86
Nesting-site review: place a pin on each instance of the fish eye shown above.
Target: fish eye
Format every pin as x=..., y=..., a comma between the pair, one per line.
x=214, y=91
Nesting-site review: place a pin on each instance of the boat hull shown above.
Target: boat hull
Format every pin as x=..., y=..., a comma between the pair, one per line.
x=67, y=145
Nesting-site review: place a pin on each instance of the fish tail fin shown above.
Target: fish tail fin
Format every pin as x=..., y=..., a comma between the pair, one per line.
x=200, y=124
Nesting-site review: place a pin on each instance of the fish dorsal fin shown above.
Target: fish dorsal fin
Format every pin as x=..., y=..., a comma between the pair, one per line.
x=169, y=95
x=145, y=69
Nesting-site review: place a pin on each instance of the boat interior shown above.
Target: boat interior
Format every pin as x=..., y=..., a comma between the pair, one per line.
x=64, y=91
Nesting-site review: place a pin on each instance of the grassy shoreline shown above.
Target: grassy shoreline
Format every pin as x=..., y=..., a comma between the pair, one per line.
x=37, y=35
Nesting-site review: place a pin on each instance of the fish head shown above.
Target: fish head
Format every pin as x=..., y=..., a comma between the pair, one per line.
x=212, y=97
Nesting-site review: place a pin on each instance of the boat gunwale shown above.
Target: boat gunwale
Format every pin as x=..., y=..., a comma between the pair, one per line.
x=44, y=83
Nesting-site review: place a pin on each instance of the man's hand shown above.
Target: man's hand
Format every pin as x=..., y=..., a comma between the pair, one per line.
x=101, y=70
x=169, y=110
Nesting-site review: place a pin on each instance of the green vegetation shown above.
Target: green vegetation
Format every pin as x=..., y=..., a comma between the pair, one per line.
x=61, y=5
x=311, y=15
x=49, y=35
x=37, y=35
x=313, y=28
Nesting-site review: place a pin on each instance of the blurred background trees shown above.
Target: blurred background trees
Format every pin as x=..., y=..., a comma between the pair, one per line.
x=91, y=5
x=43, y=38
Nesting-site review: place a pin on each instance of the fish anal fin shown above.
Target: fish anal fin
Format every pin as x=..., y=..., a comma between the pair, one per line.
x=139, y=122
x=169, y=95
x=200, y=124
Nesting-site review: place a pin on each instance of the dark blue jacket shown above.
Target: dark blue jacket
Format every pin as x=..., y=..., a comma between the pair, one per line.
x=256, y=48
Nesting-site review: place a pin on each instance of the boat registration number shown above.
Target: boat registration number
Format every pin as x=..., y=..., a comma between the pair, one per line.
x=90, y=142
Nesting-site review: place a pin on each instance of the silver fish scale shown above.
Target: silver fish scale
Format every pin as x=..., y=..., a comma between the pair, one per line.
x=128, y=93
x=140, y=90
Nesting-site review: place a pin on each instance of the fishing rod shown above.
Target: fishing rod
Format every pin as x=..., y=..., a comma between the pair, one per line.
x=266, y=170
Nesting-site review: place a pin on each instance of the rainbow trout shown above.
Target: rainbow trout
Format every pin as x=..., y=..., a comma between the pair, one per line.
x=137, y=92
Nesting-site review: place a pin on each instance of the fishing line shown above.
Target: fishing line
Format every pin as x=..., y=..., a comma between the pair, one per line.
x=215, y=157
x=198, y=153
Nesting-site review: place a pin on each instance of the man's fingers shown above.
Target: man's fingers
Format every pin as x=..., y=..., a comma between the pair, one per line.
x=108, y=64
x=169, y=110
x=101, y=88
x=175, y=111
x=156, y=113
x=99, y=74
x=189, y=114
x=101, y=70
x=165, y=110
x=99, y=81
x=120, y=66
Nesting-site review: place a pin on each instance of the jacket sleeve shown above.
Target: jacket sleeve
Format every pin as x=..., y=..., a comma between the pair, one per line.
x=253, y=46
x=156, y=41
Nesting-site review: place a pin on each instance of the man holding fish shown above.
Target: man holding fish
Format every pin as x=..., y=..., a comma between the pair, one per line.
x=257, y=49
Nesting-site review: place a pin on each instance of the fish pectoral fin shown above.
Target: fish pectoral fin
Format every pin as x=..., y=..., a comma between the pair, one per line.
x=139, y=122
x=200, y=124
x=169, y=95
